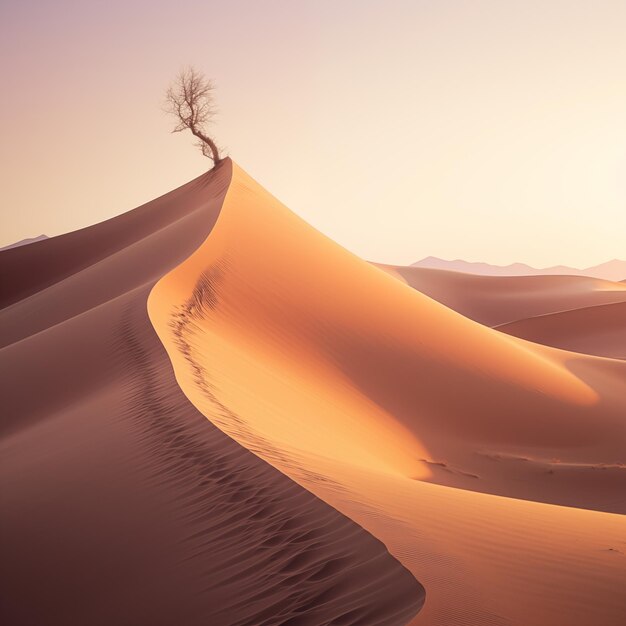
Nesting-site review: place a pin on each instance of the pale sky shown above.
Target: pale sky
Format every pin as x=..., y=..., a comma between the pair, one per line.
x=485, y=130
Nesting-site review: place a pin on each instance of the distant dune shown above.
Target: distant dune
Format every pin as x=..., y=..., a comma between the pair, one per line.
x=121, y=503
x=496, y=300
x=614, y=270
x=451, y=442
x=597, y=330
x=24, y=242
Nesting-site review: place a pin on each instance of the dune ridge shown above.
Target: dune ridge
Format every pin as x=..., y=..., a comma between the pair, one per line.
x=599, y=330
x=498, y=300
x=399, y=412
x=122, y=504
x=24, y=242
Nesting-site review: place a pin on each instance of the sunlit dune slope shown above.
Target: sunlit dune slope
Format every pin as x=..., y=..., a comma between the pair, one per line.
x=362, y=389
x=495, y=300
x=121, y=503
x=599, y=330
x=381, y=375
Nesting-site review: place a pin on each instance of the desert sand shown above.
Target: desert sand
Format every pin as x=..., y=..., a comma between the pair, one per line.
x=216, y=415
x=599, y=330
x=121, y=503
x=498, y=300
x=24, y=242
x=491, y=467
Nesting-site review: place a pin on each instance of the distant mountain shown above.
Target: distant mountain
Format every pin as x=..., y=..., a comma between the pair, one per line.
x=611, y=270
x=24, y=242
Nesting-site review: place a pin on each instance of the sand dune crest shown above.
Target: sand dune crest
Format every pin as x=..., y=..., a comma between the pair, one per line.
x=121, y=503
x=362, y=390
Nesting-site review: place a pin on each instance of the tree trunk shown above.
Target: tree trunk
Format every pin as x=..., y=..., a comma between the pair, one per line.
x=215, y=154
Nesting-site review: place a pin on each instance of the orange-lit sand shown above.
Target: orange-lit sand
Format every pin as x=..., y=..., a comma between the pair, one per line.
x=495, y=300
x=121, y=503
x=367, y=392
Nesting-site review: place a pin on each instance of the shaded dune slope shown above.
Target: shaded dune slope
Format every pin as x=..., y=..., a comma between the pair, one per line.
x=122, y=504
x=497, y=300
x=599, y=330
x=368, y=392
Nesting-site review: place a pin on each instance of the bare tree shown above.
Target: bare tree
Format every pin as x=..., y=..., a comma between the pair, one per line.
x=190, y=99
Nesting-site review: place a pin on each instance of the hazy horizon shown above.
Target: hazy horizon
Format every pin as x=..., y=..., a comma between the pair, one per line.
x=451, y=260
x=484, y=131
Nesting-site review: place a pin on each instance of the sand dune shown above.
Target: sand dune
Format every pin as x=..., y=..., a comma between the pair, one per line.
x=497, y=300
x=24, y=242
x=121, y=503
x=359, y=420
x=367, y=393
x=599, y=330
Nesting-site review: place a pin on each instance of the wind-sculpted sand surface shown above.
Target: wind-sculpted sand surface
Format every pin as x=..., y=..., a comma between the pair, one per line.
x=454, y=444
x=121, y=503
